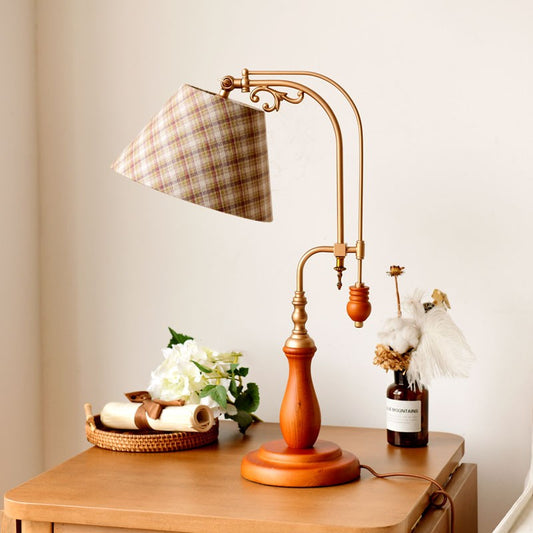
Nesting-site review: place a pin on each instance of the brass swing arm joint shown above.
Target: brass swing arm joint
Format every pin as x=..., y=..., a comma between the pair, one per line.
x=360, y=250
x=228, y=83
x=339, y=251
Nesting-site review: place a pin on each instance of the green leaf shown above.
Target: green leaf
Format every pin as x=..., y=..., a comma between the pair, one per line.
x=177, y=338
x=206, y=391
x=202, y=368
x=234, y=370
x=233, y=388
x=249, y=399
x=220, y=395
x=243, y=419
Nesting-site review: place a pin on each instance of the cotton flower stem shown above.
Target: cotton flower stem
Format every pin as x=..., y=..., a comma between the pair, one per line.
x=395, y=271
x=398, y=297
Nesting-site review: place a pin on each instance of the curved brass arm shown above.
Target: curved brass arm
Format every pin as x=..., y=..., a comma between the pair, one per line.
x=310, y=253
x=245, y=83
x=357, y=118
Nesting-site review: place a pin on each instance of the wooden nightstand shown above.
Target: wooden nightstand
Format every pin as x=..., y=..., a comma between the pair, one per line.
x=201, y=490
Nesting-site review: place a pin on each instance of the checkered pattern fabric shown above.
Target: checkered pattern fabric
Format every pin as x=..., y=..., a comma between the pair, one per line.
x=204, y=149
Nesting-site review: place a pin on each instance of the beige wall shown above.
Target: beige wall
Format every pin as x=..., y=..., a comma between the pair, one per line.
x=444, y=90
x=20, y=372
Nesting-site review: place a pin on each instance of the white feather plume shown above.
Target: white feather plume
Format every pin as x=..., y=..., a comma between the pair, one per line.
x=442, y=350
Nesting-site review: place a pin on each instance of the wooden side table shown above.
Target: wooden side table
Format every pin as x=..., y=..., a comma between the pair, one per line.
x=195, y=491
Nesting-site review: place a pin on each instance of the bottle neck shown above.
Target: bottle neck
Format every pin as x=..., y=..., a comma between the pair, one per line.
x=400, y=378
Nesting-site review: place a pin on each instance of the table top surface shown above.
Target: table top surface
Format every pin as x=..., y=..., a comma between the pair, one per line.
x=191, y=490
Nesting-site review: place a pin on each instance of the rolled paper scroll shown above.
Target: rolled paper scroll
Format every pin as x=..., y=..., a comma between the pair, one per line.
x=192, y=417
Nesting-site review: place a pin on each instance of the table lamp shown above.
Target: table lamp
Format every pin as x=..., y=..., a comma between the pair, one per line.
x=208, y=149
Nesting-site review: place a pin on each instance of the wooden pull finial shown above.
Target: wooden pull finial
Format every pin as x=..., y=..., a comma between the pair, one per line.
x=358, y=306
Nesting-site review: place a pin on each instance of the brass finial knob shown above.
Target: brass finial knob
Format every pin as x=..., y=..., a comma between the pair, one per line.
x=227, y=83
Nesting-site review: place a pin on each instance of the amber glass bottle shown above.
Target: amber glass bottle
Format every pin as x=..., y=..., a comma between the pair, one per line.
x=407, y=413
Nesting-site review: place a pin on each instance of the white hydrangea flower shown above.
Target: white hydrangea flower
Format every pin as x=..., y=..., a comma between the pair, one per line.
x=179, y=378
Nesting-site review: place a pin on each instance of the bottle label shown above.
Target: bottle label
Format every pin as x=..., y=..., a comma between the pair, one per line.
x=404, y=415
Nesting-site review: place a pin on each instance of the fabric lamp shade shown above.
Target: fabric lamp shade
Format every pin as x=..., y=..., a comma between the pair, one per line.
x=206, y=149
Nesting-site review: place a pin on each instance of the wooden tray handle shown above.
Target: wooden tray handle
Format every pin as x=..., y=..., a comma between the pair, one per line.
x=89, y=418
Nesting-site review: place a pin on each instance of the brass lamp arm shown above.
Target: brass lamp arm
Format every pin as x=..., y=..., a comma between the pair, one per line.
x=358, y=306
x=245, y=83
x=229, y=83
x=357, y=118
x=310, y=253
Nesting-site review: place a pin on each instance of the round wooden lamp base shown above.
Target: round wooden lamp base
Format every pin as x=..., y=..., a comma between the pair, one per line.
x=323, y=465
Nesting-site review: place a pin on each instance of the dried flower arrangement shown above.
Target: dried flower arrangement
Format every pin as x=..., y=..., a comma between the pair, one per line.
x=426, y=343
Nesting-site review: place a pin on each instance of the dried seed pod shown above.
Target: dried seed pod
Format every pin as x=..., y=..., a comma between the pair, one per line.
x=395, y=270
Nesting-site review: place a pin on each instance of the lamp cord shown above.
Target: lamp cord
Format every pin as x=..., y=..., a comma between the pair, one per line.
x=434, y=497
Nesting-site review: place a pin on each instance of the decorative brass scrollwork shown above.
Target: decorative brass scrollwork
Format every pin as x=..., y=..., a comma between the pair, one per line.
x=278, y=96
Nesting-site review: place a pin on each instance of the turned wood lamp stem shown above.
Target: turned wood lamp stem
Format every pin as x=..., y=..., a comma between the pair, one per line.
x=300, y=460
x=300, y=401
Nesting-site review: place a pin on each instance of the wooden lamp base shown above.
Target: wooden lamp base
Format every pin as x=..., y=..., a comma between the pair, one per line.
x=300, y=460
x=325, y=464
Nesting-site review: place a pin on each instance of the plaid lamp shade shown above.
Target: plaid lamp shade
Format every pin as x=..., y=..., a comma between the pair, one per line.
x=205, y=149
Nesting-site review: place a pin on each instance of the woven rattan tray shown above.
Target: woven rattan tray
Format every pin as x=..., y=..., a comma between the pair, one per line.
x=140, y=441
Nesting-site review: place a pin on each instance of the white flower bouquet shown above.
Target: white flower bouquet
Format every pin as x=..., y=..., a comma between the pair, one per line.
x=199, y=375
